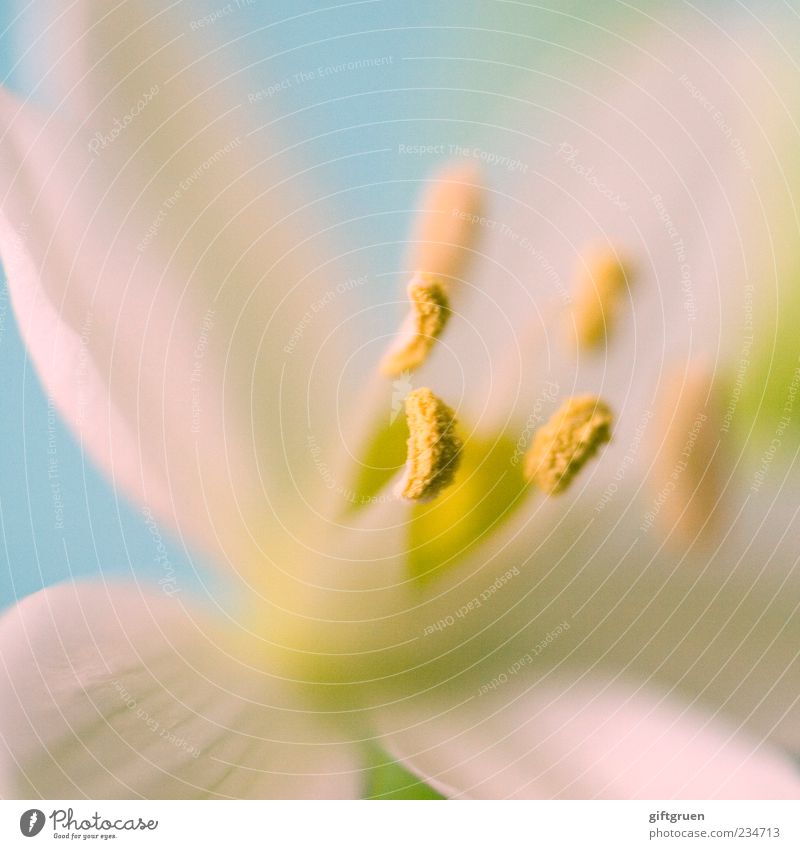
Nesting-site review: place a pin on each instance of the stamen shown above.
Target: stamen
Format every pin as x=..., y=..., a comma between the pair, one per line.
x=687, y=476
x=434, y=449
x=561, y=448
x=448, y=223
x=602, y=282
x=430, y=309
x=444, y=233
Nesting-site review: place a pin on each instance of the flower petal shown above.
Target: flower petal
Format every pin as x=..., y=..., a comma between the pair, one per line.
x=75, y=284
x=184, y=249
x=445, y=228
x=112, y=693
x=583, y=739
x=671, y=143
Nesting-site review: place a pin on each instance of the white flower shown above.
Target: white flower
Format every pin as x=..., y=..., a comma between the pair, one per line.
x=198, y=310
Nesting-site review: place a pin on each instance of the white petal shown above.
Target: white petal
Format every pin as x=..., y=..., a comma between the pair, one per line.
x=186, y=253
x=582, y=739
x=110, y=692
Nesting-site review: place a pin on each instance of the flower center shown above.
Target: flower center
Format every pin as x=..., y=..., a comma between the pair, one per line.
x=427, y=438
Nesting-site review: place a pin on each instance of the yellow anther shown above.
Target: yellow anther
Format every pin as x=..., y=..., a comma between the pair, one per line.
x=448, y=223
x=561, y=447
x=430, y=309
x=442, y=243
x=603, y=279
x=434, y=449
